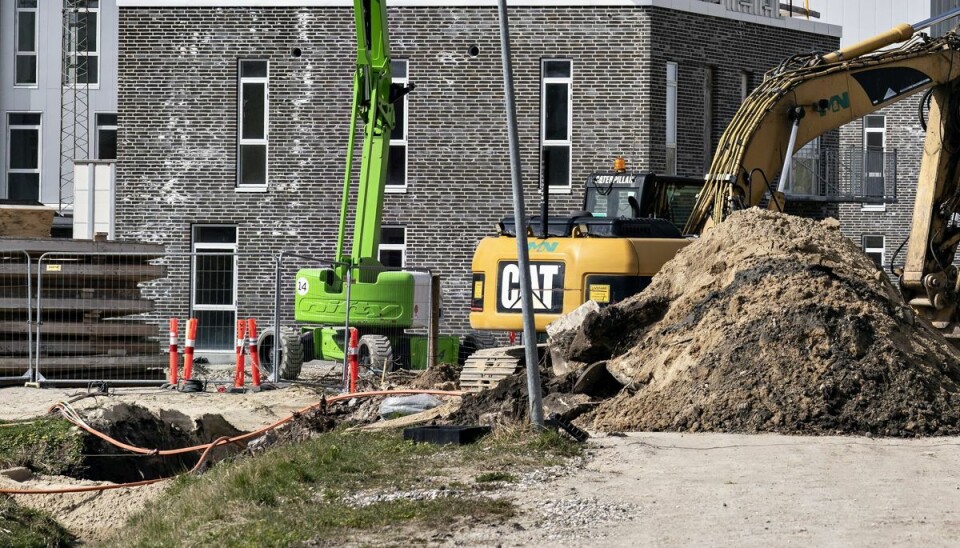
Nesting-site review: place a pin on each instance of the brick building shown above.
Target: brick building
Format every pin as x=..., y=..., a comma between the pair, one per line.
x=653, y=80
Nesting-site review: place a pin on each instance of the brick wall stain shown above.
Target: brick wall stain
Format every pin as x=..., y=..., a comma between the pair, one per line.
x=178, y=121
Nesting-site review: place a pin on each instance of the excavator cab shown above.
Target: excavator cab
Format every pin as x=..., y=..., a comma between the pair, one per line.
x=641, y=196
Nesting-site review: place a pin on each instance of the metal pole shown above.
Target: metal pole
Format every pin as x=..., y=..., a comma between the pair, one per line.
x=523, y=259
x=788, y=160
x=275, y=374
x=30, y=372
x=935, y=19
x=346, y=331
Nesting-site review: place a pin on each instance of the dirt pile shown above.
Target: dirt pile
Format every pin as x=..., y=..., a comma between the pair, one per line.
x=773, y=323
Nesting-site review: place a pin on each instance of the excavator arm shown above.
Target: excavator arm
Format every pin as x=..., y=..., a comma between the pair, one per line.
x=818, y=96
x=798, y=103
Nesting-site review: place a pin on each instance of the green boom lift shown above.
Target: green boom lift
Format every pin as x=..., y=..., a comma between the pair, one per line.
x=383, y=303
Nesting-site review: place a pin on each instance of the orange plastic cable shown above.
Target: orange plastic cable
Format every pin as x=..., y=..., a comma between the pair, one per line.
x=71, y=416
x=87, y=488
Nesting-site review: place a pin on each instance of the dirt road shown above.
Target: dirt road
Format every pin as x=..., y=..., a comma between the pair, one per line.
x=743, y=490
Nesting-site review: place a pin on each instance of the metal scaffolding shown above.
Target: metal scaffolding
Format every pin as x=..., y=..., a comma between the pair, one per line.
x=74, y=95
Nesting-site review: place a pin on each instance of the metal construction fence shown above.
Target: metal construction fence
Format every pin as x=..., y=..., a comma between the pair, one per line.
x=77, y=318
x=17, y=271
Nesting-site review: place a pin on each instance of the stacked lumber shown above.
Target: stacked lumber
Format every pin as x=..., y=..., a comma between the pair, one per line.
x=87, y=297
x=25, y=221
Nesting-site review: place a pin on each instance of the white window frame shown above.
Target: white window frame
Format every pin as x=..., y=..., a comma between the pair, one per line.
x=36, y=45
x=97, y=127
x=883, y=138
x=87, y=53
x=403, y=141
x=265, y=141
x=39, y=168
x=881, y=250
x=670, y=140
x=568, y=142
x=199, y=247
x=402, y=248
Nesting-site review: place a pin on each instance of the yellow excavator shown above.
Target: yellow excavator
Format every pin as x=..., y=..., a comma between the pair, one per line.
x=606, y=260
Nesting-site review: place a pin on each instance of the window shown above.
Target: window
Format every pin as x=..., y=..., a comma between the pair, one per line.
x=556, y=121
x=106, y=136
x=253, y=112
x=873, y=246
x=805, y=170
x=83, y=41
x=671, y=140
x=25, y=44
x=874, y=141
x=23, y=159
x=708, y=75
x=214, y=295
x=397, y=164
x=393, y=246
x=744, y=85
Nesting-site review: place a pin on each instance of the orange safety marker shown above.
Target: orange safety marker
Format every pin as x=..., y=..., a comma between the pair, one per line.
x=254, y=354
x=239, y=373
x=174, y=356
x=352, y=351
x=188, y=345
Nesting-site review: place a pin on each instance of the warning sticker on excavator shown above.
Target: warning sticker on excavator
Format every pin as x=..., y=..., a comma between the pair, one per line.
x=478, y=289
x=600, y=293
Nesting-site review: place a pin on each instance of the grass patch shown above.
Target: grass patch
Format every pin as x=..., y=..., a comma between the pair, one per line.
x=490, y=477
x=48, y=445
x=28, y=528
x=339, y=484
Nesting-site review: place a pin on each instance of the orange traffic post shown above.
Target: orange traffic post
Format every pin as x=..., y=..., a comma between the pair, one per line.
x=239, y=373
x=188, y=345
x=352, y=351
x=254, y=354
x=174, y=356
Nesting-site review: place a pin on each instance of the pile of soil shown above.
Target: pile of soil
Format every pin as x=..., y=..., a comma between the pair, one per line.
x=773, y=323
x=442, y=376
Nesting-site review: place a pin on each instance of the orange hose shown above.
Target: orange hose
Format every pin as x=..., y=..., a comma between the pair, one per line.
x=205, y=447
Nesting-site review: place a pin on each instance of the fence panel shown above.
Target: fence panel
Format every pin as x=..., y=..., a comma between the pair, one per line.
x=16, y=293
x=105, y=317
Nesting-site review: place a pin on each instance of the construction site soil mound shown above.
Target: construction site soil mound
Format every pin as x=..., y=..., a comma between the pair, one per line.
x=773, y=323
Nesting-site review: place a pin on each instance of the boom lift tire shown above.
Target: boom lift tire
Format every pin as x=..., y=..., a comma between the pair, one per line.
x=373, y=351
x=291, y=353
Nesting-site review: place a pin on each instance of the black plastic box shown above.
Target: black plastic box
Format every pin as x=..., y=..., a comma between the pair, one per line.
x=445, y=435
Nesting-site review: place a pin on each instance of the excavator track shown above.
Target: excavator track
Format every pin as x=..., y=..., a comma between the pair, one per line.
x=485, y=368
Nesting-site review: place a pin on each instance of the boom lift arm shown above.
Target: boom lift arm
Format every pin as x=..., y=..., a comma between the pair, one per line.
x=373, y=98
x=815, y=95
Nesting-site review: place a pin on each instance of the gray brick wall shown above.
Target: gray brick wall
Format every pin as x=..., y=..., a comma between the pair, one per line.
x=177, y=107
x=905, y=135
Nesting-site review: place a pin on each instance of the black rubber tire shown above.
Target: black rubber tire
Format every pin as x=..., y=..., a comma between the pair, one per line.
x=291, y=353
x=468, y=345
x=373, y=351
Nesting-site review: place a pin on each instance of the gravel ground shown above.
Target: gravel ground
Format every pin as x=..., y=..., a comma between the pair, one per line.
x=669, y=489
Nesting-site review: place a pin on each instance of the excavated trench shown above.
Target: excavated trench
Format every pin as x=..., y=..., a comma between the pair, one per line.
x=138, y=426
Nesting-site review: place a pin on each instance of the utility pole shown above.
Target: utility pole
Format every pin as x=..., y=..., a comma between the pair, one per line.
x=519, y=214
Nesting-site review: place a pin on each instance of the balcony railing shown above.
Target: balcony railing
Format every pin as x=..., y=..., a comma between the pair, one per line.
x=847, y=174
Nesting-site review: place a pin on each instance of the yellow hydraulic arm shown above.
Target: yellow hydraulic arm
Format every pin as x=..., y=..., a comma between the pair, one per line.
x=820, y=96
